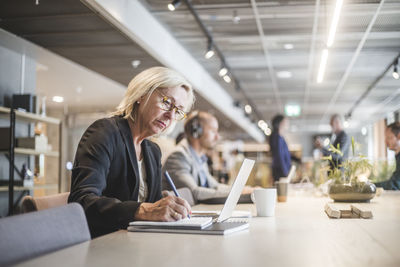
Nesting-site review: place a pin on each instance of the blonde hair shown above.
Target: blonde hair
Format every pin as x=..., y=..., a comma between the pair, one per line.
x=145, y=83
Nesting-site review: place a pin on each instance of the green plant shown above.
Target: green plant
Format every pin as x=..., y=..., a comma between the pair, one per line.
x=382, y=171
x=350, y=170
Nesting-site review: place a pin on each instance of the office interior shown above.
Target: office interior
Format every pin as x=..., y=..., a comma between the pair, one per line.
x=247, y=61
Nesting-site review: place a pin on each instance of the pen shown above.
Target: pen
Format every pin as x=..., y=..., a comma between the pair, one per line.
x=171, y=183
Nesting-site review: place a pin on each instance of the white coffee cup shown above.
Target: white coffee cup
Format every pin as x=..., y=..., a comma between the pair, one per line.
x=265, y=200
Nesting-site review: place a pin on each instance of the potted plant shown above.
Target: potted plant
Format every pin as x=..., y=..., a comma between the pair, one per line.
x=349, y=180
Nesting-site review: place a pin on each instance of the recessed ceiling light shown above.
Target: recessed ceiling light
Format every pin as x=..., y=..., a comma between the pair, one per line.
x=284, y=74
x=58, y=99
x=41, y=67
x=235, y=17
x=248, y=109
x=136, y=63
x=223, y=71
x=227, y=79
x=288, y=46
x=364, y=131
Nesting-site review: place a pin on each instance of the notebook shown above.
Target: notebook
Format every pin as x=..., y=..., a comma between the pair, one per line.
x=218, y=226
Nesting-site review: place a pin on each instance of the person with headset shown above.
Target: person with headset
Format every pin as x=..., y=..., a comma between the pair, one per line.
x=187, y=164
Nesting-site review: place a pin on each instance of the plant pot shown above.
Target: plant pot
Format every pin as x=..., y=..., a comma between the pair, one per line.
x=357, y=192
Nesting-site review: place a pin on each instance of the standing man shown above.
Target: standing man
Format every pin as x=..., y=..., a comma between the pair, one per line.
x=339, y=137
x=187, y=164
x=392, y=138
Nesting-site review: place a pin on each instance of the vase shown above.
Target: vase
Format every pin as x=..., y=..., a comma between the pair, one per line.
x=356, y=192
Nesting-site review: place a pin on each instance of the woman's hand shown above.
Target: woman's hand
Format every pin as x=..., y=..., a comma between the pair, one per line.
x=167, y=209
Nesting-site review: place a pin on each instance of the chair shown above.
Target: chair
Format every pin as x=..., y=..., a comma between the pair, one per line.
x=36, y=233
x=29, y=203
x=186, y=194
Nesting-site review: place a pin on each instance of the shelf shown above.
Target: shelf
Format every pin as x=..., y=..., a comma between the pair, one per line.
x=24, y=188
x=30, y=117
x=28, y=151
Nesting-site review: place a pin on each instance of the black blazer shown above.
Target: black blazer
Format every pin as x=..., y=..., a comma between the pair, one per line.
x=105, y=175
x=343, y=140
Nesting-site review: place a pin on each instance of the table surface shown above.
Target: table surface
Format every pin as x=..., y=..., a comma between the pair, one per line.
x=300, y=234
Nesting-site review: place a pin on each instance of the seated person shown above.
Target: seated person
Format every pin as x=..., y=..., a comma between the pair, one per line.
x=117, y=172
x=392, y=138
x=187, y=164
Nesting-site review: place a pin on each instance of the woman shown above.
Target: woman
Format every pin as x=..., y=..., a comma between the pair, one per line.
x=117, y=171
x=281, y=161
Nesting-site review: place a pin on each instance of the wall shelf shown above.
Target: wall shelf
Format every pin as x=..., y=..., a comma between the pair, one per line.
x=30, y=117
x=26, y=117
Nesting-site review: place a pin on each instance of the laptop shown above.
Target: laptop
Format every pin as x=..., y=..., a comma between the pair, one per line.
x=233, y=197
x=206, y=225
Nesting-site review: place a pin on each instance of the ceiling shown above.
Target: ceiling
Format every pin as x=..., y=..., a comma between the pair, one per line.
x=359, y=54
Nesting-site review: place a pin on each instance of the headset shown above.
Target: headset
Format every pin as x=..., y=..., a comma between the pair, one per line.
x=193, y=125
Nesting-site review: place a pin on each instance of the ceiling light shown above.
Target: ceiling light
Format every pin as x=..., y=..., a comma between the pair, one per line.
x=364, y=130
x=247, y=109
x=227, y=79
x=292, y=110
x=235, y=17
x=288, y=46
x=284, y=74
x=395, y=73
x=267, y=131
x=41, y=67
x=172, y=6
x=135, y=63
x=261, y=124
x=209, y=54
x=58, y=99
x=210, y=51
x=346, y=124
x=334, y=23
x=223, y=71
x=321, y=71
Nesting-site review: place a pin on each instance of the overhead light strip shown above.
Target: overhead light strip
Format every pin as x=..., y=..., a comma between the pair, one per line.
x=228, y=76
x=353, y=60
x=322, y=65
x=331, y=37
x=334, y=23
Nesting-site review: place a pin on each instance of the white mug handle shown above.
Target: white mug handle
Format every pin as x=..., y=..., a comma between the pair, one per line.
x=252, y=197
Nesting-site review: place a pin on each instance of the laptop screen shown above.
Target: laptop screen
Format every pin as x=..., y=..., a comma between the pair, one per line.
x=236, y=189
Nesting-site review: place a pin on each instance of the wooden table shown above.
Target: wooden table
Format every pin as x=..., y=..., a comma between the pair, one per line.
x=300, y=234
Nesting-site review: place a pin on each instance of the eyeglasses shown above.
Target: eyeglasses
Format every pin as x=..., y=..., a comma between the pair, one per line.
x=168, y=105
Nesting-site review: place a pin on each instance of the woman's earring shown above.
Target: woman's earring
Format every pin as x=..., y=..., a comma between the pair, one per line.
x=138, y=102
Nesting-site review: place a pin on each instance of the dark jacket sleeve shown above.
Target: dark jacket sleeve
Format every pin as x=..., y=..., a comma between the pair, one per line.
x=391, y=184
x=94, y=155
x=344, y=145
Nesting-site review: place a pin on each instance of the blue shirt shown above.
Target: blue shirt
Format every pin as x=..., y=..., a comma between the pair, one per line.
x=201, y=161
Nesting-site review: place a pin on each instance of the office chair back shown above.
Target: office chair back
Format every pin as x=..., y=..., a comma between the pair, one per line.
x=36, y=233
x=30, y=203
